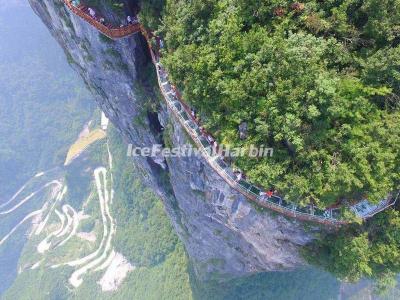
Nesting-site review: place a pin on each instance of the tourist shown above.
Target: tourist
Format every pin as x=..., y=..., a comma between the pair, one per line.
x=215, y=146
x=263, y=194
x=129, y=19
x=102, y=21
x=270, y=193
x=76, y=3
x=239, y=176
x=92, y=13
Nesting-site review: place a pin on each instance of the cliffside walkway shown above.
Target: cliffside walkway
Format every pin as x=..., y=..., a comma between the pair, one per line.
x=108, y=30
x=330, y=217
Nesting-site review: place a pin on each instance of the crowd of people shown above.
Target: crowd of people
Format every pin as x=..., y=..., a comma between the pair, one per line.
x=130, y=20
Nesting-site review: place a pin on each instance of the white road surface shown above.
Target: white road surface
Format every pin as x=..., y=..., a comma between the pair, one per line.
x=108, y=230
x=75, y=223
x=60, y=194
x=103, y=195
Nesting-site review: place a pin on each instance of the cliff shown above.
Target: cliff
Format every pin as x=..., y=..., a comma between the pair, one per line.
x=223, y=233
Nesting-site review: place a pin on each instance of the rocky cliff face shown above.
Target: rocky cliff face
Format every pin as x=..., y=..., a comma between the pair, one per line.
x=224, y=234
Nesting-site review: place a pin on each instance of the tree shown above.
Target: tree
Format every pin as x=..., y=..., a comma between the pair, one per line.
x=369, y=250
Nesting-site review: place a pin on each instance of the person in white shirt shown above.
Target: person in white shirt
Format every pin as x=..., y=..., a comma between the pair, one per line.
x=92, y=13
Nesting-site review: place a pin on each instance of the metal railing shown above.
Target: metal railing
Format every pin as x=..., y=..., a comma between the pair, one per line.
x=113, y=33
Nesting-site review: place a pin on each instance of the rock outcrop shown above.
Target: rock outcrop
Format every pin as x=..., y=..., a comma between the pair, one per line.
x=225, y=235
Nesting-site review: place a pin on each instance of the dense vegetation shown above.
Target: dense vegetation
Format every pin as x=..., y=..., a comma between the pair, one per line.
x=318, y=81
x=370, y=250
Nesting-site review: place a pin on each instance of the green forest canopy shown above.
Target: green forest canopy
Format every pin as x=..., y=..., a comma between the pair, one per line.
x=317, y=81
